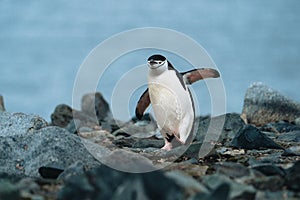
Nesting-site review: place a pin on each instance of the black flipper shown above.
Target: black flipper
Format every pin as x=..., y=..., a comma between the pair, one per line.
x=199, y=74
x=142, y=104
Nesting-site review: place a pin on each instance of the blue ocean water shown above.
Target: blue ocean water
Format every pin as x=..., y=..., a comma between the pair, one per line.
x=43, y=44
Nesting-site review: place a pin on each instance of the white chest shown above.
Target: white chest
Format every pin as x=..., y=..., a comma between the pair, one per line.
x=171, y=102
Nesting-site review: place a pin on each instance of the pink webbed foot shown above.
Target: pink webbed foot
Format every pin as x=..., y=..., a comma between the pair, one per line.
x=168, y=146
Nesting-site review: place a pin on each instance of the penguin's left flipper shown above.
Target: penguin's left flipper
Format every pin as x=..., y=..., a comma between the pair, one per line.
x=142, y=104
x=198, y=74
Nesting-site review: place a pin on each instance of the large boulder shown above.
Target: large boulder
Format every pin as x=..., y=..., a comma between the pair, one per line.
x=263, y=104
x=27, y=144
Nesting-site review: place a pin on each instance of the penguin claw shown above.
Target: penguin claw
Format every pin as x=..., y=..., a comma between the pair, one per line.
x=168, y=146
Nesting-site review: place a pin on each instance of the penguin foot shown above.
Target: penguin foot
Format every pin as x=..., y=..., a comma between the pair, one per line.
x=168, y=146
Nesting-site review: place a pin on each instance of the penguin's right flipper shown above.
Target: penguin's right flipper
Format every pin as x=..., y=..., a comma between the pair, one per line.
x=142, y=104
x=199, y=74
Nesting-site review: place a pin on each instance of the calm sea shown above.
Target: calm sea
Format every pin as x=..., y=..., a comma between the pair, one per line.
x=43, y=43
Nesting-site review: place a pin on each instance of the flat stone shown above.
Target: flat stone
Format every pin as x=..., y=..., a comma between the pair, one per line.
x=263, y=105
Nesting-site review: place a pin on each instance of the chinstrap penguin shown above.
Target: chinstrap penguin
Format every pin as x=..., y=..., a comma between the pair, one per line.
x=171, y=98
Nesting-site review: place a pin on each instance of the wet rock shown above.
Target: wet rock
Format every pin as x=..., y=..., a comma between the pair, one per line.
x=18, y=123
x=94, y=104
x=237, y=190
x=107, y=183
x=263, y=105
x=293, y=177
x=249, y=137
x=2, y=108
x=25, y=152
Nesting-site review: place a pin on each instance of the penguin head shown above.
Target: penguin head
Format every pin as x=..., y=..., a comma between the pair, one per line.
x=156, y=61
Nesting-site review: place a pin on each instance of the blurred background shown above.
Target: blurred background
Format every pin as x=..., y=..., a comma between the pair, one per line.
x=43, y=44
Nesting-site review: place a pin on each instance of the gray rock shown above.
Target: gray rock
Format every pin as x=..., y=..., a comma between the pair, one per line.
x=94, y=104
x=263, y=105
x=2, y=108
x=75, y=169
x=138, y=143
x=190, y=185
x=32, y=147
x=231, y=169
x=73, y=126
x=8, y=191
x=62, y=115
x=128, y=161
x=280, y=127
x=269, y=169
x=269, y=183
x=238, y=190
x=297, y=121
x=293, y=136
x=220, y=193
x=18, y=123
x=292, y=151
x=232, y=124
x=293, y=177
x=249, y=137
x=138, y=130
x=106, y=183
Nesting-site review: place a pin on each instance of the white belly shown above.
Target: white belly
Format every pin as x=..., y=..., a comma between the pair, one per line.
x=172, y=104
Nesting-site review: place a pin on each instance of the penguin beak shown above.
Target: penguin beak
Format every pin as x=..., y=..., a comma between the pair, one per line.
x=151, y=62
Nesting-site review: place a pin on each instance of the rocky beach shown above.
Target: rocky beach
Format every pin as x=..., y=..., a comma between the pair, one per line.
x=87, y=154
